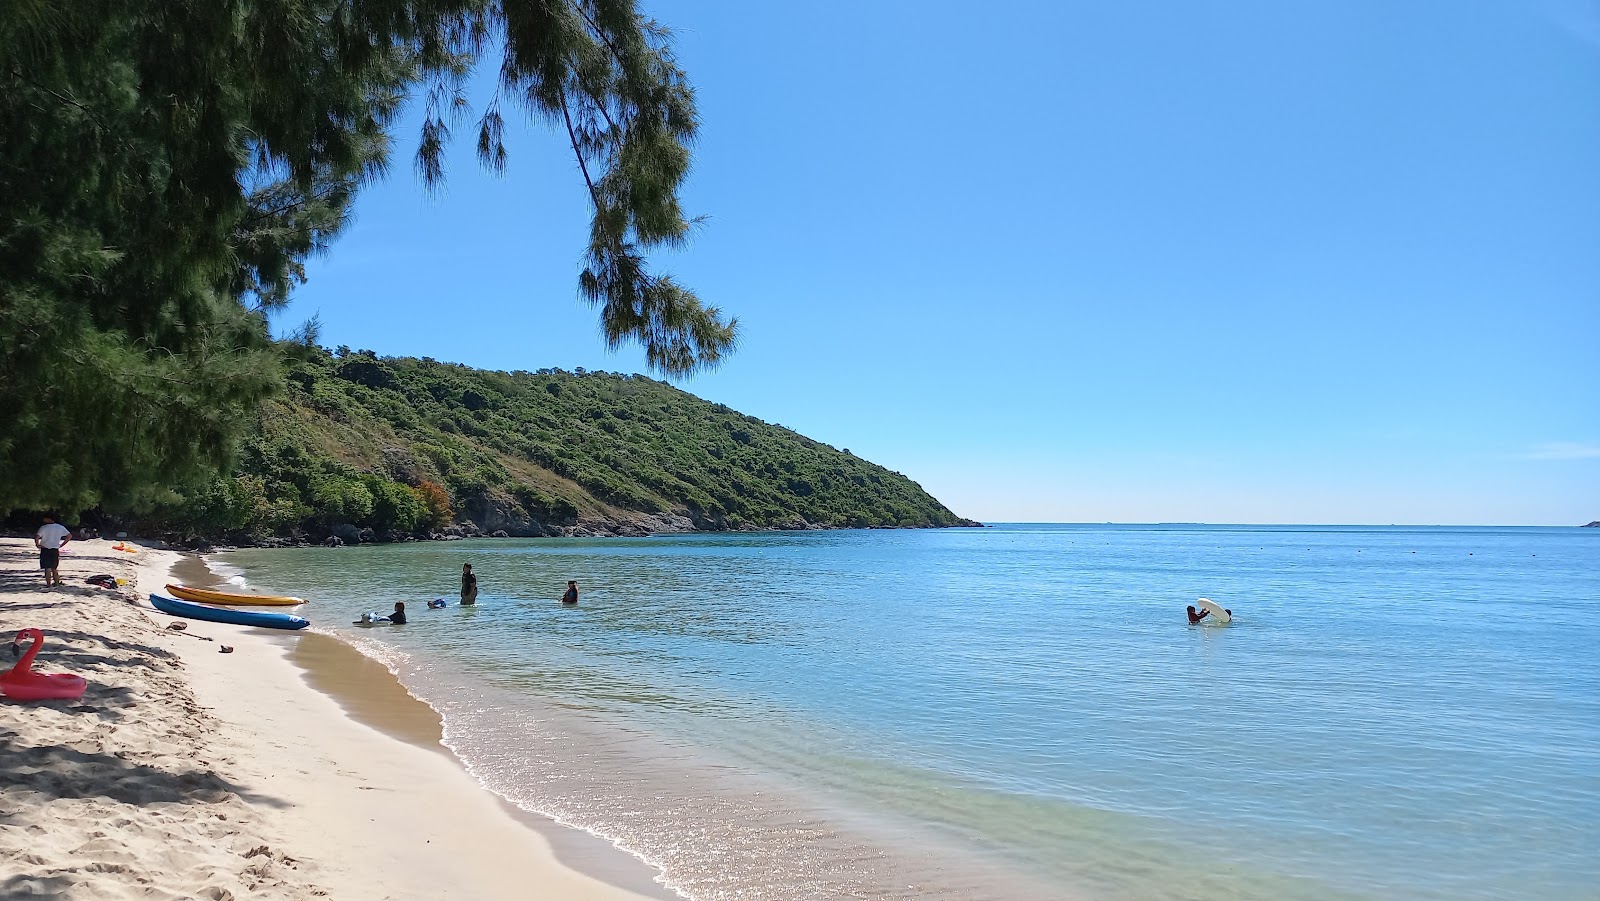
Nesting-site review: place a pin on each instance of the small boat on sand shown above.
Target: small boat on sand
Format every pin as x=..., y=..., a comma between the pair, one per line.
x=231, y=598
x=187, y=610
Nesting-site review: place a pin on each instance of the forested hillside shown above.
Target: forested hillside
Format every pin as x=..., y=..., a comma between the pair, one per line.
x=406, y=447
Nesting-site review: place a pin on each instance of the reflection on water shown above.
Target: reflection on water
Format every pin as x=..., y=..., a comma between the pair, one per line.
x=1395, y=713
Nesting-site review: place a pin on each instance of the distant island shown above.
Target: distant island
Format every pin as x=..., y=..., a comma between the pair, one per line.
x=1591, y=525
x=360, y=448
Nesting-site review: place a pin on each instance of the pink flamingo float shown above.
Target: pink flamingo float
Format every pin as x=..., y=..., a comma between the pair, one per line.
x=23, y=684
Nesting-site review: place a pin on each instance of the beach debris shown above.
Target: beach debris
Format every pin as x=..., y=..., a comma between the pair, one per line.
x=225, y=649
x=183, y=629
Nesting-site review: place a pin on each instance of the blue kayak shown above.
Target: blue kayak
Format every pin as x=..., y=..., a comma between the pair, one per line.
x=227, y=615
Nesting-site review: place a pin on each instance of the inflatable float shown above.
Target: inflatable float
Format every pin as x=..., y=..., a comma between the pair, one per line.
x=174, y=607
x=231, y=598
x=23, y=684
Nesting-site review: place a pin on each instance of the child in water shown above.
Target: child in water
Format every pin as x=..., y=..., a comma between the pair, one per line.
x=1196, y=617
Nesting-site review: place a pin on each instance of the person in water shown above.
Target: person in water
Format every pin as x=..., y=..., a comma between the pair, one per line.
x=438, y=604
x=571, y=594
x=1196, y=617
x=398, y=617
x=469, y=586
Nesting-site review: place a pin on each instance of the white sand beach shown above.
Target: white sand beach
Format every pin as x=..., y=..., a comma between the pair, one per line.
x=185, y=772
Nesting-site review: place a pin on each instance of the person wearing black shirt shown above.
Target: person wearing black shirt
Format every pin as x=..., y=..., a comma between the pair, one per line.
x=469, y=586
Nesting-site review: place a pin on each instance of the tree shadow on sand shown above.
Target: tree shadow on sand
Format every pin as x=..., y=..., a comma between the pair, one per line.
x=103, y=701
x=59, y=771
x=22, y=886
x=54, y=639
x=36, y=605
x=15, y=580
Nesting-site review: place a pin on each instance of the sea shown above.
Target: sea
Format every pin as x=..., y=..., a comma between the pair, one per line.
x=1020, y=711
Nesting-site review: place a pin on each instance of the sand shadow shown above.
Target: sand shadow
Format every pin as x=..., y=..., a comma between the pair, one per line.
x=114, y=644
x=14, y=580
x=41, y=605
x=22, y=886
x=107, y=702
x=58, y=771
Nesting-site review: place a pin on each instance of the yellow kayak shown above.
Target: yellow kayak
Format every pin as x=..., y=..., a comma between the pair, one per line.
x=228, y=598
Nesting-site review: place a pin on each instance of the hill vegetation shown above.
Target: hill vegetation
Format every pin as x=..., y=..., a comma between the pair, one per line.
x=402, y=446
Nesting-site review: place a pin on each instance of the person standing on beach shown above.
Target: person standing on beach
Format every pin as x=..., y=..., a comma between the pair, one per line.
x=469, y=586
x=50, y=539
x=571, y=594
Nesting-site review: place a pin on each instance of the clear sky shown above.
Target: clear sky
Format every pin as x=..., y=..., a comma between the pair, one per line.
x=1331, y=261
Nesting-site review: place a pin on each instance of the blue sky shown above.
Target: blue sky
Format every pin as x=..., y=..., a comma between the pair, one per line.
x=1267, y=261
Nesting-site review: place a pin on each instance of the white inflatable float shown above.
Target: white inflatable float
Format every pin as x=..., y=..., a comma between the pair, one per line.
x=1215, y=609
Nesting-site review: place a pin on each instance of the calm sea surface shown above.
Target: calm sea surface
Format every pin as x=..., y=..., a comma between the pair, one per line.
x=1022, y=711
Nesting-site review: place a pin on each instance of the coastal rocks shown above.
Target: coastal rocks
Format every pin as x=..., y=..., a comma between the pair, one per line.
x=499, y=533
x=346, y=533
x=664, y=522
x=637, y=525
x=498, y=514
x=333, y=541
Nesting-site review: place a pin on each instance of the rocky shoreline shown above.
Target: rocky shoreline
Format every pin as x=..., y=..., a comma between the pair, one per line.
x=642, y=525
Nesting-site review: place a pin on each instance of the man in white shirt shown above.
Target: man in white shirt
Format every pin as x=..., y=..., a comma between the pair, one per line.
x=52, y=537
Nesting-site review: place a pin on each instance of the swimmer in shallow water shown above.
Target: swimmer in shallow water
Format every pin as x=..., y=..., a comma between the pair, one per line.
x=1196, y=617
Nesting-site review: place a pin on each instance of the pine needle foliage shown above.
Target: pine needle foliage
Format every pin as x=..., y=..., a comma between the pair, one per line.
x=167, y=168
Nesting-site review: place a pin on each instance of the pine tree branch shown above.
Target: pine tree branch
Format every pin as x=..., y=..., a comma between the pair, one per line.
x=256, y=215
x=583, y=164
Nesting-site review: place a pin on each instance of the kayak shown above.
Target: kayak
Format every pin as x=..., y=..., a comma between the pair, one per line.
x=231, y=599
x=187, y=610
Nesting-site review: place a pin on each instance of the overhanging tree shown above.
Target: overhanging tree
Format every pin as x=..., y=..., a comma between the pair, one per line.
x=166, y=169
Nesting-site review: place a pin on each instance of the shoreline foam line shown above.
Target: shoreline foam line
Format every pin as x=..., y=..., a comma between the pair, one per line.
x=368, y=693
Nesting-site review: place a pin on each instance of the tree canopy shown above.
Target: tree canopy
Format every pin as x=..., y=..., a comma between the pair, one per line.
x=167, y=168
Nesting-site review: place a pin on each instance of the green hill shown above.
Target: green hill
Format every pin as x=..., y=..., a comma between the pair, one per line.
x=402, y=447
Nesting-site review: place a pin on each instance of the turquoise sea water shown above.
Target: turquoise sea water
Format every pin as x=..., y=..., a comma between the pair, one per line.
x=1023, y=711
